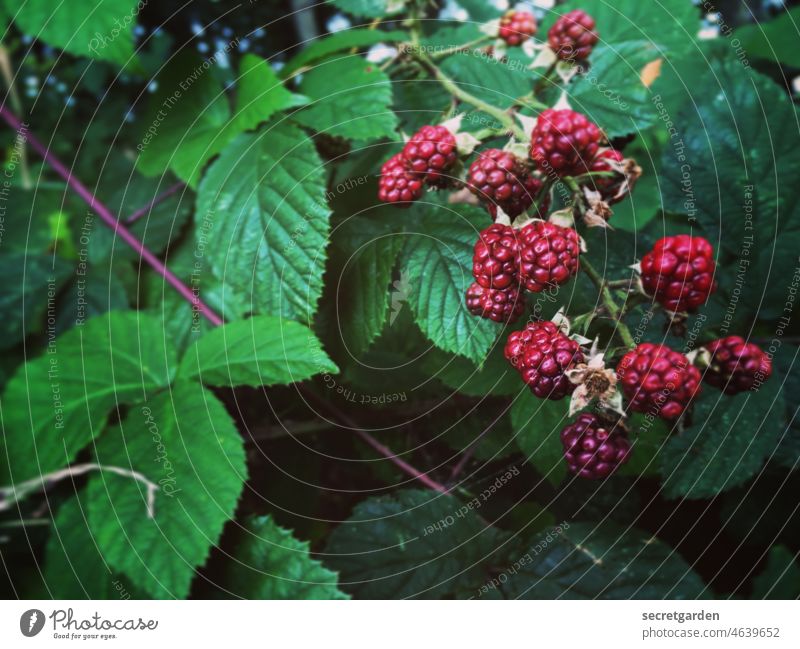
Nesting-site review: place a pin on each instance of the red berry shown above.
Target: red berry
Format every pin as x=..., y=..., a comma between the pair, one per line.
x=608, y=186
x=679, y=272
x=397, y=185
x=495, y=261
x=500, y=179
x=572, y=37
x=542, y=355
x=430, y=153
x=500, y=305
x=548, y=255
x=591, y=449
x=659, y=380
x=564, y=142
x=736, y=365
x=516, y=27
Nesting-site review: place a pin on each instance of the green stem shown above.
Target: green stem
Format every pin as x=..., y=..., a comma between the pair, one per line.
x=440, y=54
x=452, y=87
x=608, y=301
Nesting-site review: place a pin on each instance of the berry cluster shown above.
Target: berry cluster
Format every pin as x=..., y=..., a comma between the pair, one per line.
x=425, y=160
x=527, y=249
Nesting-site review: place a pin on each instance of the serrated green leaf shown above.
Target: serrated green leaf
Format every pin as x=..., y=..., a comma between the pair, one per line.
x=30, y=283
x=725, y=447
x=588, y=561
x=438, y=263
x=259, y=94
x=780, y=578
x=184, y=125
x=537, y=425
x=100, y=29
x=363, y=296
x=57, y=403
x=390, y=547
x=185, y=442
x=611, y=92
x=73, y=565
x=351, y=98
x=774, y=40
x=270, y=563
x=262, y=350
x=265, y=201
x=496, y=82
x=344, y=40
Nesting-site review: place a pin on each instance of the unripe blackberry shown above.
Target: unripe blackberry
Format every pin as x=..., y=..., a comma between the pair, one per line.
x=548, y=255
x=500, y=179
x=592, y=449
x=495, y=262
x=679, y=272
x=501, y=305
x=397, y=185
x=542, y=354
x=430, y=153
x=516, y=27
x=658, y=380
x=736, y=365
x=572, y=37
x=564, y=142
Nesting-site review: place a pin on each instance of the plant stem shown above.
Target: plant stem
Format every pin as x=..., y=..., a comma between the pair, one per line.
x=608, y=300
x=453, y=88
x=449, y=51
x=161, y=197
x=108, y=217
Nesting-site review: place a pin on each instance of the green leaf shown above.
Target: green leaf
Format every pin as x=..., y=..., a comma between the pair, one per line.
x=589, y=561
x=727, y=445
x=56, y=404
x=480, y=10
x=262, y=350
x=438, y=262
x=774, y=40
x=270, y=563
x=498, y=82
x=30, y=284
x=672, y=24
x=493, y=376
x=402, y=546
x=537, y=425
x=185, y=442
x=611, y=92
x=100, y=29
x=73, y=565
x=352, y=98
x=184, y=125
x=370, y=8
x=264, y=199
x=259, y=94
x=780, y=579
x=340, y=41
x=364, y=253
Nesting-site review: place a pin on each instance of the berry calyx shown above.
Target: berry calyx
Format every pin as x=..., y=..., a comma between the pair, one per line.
x=495, y=262
x=572, y=37
x=548, y=255
x=430, y=153
x=564, y=142
x=735, y=365
x=501, y=305
x=500, y=179
x=658, y=380
x=397, y=185
x=592, y=449
x=608, y=160
x=679, y=272
x=543, y=354
x=516, y=27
